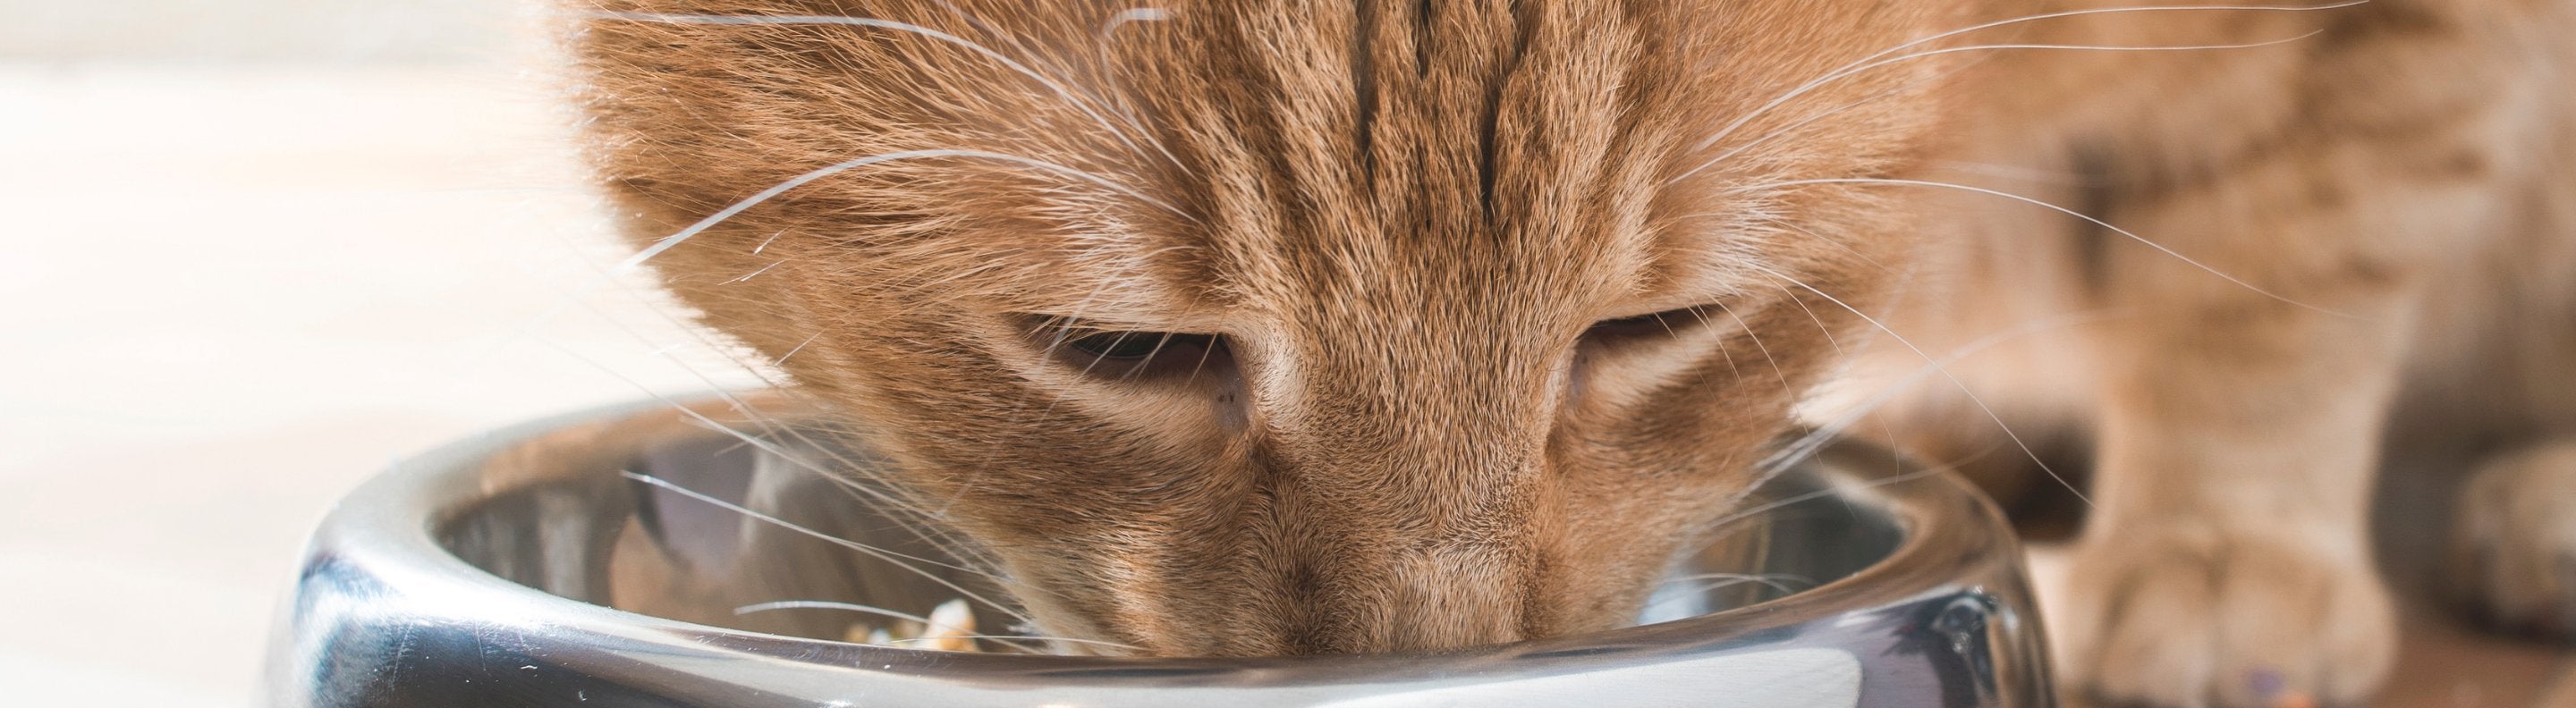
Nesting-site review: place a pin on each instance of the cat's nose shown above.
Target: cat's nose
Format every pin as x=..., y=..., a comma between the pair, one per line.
x=1349, y=570
x=1407, y=576
x=1421, y=602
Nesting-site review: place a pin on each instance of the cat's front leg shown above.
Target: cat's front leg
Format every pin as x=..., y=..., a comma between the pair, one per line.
x=2227, y=561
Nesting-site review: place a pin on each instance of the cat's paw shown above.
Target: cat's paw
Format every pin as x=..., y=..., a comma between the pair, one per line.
x=2513, y=540
x=2206, y=618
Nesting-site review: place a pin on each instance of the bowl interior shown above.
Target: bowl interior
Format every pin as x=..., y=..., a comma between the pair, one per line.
x=783, y=534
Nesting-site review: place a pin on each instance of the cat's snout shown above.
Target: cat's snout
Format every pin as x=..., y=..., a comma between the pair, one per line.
x=1353, y=605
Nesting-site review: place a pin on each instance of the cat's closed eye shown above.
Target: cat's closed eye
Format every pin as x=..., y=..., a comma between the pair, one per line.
x=1646, y=328
x=1129, y=355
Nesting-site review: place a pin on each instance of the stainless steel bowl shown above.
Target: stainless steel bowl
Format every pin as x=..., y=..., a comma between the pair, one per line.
x=606, y=558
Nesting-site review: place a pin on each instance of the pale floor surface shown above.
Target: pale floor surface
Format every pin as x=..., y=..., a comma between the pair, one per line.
x=231, y=294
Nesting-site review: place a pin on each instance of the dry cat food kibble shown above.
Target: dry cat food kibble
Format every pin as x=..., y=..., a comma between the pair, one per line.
x=950, y=627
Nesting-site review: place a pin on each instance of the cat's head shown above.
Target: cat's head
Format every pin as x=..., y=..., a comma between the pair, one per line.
x=1270, y=327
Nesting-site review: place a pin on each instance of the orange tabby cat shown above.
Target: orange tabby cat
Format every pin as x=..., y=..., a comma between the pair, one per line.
x=1263, y=327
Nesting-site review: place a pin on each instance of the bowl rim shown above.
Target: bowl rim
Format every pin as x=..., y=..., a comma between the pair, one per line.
x=389, y=525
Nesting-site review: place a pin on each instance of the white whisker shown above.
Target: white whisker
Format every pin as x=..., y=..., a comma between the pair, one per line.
x=1069, y=640
x=1849, y=71
x=1726, y=580
x=923, y=523
x=1732, y=370
x=934, y=536
x=1820, y=115
x=1109, y=73
x=756, y=273
x=1752, y=512
x=1802, y=448
x=1830, y=76
x=747, y=203
x=1764, y=472
x=791, y=351
x=897, y=559
x=1012, y=641
x=1740, y=576
x=2051, y=207
x=1945, y=373
x=823, y=605
x=931, y=533
x=1776, y=371
x=1130, y=16
x=1060, y=89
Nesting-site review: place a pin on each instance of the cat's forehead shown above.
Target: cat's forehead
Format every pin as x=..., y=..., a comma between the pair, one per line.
x=1242, y=153
x=1099, y=152
x=1474, y=151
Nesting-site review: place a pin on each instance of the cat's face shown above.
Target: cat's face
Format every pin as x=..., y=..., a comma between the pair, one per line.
x=1240, y=328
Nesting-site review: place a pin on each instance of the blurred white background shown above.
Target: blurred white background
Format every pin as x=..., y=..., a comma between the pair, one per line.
x=250, y=252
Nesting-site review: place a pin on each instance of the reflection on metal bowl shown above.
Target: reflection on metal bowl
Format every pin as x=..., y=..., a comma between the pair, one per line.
x=608, y=558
